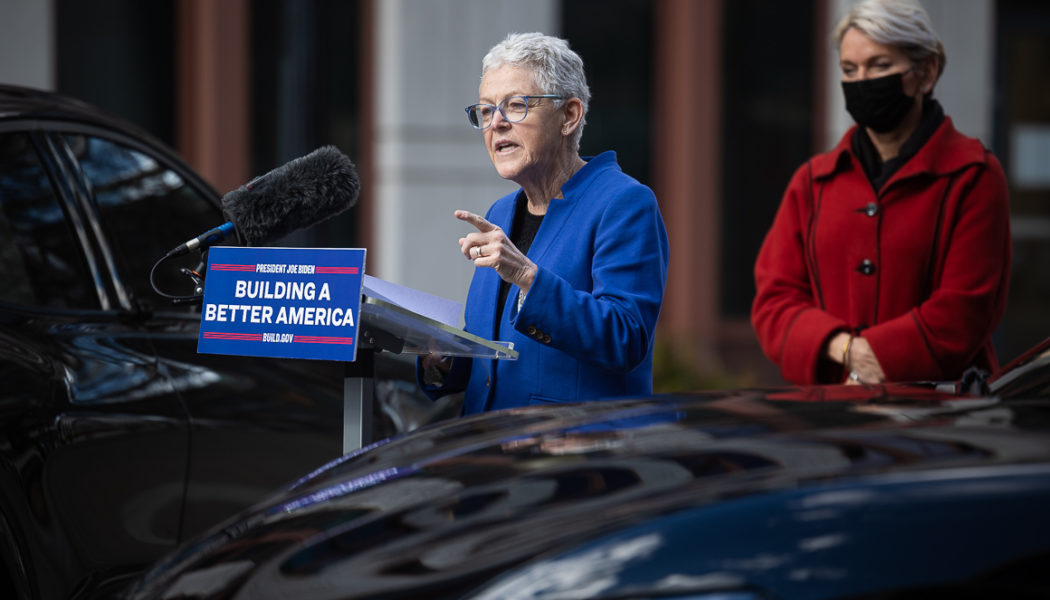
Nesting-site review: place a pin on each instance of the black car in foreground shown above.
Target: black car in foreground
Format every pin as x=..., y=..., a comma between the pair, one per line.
x=117, y=439
x=878, y=492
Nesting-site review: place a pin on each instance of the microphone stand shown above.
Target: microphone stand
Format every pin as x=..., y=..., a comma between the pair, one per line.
x=197, y=275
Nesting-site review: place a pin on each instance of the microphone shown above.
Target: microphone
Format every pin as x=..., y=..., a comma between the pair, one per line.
x=303, y=192
x=208, y=238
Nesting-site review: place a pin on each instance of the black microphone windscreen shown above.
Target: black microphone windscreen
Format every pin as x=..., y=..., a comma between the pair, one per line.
x=298, y=194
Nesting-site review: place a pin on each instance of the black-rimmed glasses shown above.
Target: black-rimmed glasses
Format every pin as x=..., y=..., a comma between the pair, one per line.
x=513, y=109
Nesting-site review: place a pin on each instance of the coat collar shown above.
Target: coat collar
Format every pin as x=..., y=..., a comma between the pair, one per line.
x=503, y=212
x=560, y=209
x=577, y=184
x=947, y=151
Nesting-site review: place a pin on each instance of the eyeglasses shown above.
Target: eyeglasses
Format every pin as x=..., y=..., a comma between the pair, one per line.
x=513, y=109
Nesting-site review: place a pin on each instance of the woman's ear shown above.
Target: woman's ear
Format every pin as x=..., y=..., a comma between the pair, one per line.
x=573, y=114
x=930, y=69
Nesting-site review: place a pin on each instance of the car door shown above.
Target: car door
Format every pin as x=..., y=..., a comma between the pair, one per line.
x=93, y=438
x=255, y=424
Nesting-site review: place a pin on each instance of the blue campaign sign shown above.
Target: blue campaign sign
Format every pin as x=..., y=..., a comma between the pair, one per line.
x=282, y=302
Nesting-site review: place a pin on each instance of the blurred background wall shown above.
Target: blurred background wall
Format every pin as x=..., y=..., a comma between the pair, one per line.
x=712, y=103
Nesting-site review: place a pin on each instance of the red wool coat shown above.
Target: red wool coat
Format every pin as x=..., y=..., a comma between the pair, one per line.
x=920, y=270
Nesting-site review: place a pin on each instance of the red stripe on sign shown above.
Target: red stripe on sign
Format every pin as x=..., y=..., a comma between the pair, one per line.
x=221, y=335
x=337, y=270
x=225, y=267
x=319, y=339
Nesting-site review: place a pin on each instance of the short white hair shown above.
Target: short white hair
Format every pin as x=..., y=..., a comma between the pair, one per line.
x=555, y=67
x=900, y=23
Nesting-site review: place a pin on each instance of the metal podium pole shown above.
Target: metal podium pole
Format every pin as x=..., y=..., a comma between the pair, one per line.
x=386, y=327
x=358, y=400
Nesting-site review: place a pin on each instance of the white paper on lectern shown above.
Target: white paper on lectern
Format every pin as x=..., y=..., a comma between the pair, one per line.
x=430, y=306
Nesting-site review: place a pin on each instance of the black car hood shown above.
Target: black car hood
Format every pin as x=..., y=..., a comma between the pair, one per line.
x=454, y=505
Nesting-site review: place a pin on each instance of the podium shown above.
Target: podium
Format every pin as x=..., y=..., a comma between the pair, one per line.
x=318, y=303
x=386, y=326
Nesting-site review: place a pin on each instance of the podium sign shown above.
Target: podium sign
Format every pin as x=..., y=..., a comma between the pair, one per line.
x=282, y=302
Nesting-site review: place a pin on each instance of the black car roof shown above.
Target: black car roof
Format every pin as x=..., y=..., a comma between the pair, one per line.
x=19, y=102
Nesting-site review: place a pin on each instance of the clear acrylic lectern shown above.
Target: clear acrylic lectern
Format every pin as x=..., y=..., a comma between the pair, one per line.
x=387, y=326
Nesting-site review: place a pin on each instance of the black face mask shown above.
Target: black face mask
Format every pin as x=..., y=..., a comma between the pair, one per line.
x=879, y=103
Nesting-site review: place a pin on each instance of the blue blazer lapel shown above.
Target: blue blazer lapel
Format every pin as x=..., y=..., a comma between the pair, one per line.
x=558, y=215
x=487, y=281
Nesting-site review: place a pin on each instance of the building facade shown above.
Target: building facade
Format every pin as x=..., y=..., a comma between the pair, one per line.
x=712, y=103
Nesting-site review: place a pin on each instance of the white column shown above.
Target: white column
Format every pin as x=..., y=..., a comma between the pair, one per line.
x=27, y=42
x=428, y=160
x=967, y=28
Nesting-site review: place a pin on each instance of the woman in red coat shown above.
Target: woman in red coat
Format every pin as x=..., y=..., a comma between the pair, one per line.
x=889, y=257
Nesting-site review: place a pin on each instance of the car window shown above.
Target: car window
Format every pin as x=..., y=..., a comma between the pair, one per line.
x=41, y=262
x=146, y=209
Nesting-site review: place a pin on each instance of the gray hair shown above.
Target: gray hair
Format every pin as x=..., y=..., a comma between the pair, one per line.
x=900, y=23
x=555, y=67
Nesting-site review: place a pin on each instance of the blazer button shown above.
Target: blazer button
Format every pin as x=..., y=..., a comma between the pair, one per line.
x=866, y=267
x=546, y=338
x=531, y=330
x=488, y=380
x=871, y=209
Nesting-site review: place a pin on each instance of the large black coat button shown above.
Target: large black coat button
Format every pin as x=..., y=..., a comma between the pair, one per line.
x=866, y=267
x=871, y=209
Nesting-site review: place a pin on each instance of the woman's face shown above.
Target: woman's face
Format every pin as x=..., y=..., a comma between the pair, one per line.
x=523, y=152
x=861, y=57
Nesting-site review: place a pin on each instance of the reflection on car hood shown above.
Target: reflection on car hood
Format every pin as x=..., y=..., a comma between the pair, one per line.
x=451, y=507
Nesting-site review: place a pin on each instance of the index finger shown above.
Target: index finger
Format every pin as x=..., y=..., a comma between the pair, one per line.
x=476, y=220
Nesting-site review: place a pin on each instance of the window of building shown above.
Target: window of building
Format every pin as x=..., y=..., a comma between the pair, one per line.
x=767, y=103
x=615, y=40
x=1022, y=143
x=119, y=55
x=306, y=93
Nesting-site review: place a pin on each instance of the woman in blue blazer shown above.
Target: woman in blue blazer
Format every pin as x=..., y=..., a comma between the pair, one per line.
x=571, y=268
